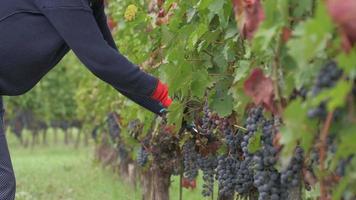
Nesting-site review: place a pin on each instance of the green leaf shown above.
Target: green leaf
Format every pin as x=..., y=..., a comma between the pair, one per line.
x=242, y=69
x=222, y=102
x=254, y=144
x=200, y=83
x=196, y=35
x=175, y=114
x=348, y=62
x=335, y=96
x=309, y=41
x=190, y=14
x=220, y=61
x=204, y=4
x=339, y=190
x=228, y=52
x=217, y=7
x=298, y=128
x=347, y=145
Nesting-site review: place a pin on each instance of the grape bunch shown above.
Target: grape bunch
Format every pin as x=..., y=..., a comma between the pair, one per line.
x=267, y=182
x=122, y=151
x=226, y=175
x=266, y=177
x=190, y=160
x=142, y=156
x=208, y=165
x=291, y=176
x=244, y=168
x=253, y=120
x=332, y=148
x=268, y=151
x=341, y=167
x=244, y=176
x=327, y=78
x=209, y=122
x=113, y=126
x=302, y=93
x=232, y=140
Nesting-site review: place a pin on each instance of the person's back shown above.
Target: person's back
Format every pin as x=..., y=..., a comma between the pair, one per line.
x=29, y=46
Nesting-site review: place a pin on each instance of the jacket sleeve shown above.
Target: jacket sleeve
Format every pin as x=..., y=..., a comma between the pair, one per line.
x=78, y=28
x=101, y=19
x=93, y=46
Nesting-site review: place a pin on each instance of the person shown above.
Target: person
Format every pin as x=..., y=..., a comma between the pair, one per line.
x=36, y=34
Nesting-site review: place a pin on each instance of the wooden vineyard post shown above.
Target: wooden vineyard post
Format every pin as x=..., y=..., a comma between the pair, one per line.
x=160, y=185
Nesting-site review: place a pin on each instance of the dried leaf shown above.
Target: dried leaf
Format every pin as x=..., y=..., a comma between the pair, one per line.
x=260, y=89
x=344, y=15
x=249, y=14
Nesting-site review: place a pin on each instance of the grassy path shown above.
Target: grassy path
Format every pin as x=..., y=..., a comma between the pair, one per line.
x=62, y=173
x=58, y=172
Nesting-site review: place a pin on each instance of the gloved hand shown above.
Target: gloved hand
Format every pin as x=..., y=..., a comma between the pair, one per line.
x=161, y=94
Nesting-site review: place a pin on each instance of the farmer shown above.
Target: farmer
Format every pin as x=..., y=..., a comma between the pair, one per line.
x=34, y=37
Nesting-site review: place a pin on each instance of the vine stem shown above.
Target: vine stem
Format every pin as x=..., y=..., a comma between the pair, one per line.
x=322, y=151
x=180, y=185
x=275, y=67
x=351, y=114
x=240, y=127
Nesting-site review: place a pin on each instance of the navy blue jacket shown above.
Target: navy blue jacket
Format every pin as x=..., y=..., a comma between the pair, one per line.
x=36, y=34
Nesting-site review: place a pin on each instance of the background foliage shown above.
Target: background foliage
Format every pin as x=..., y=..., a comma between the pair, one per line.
x=207, y=51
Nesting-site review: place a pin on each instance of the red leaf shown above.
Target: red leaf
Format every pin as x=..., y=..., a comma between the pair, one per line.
x=111, y=23
x=260, y=89
x=186, y=183
x=344, y=15
x=249, y=14
x=286, y=34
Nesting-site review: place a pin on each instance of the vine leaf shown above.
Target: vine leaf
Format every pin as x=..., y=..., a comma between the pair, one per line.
x=249, y=14
x=242, y=70
x=298, y=128
x=335, y=96
x=200, y=82
x=343, y=13
x=254, y=143
x=175, y=115
x=222, y=101
x=260, y=89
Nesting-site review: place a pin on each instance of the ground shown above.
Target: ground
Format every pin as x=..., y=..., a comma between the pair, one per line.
x=58, y=172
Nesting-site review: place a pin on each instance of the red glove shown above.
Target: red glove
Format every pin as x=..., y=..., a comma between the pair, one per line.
x=161, y=94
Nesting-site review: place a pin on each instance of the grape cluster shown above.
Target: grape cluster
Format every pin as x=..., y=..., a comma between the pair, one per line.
x=332, y=148
x=341, y=167
x=244, y=168
x=232, y=140
x=208, y=165
x=291, y=176
x=122, y=151
x=190, y=160
x=302, y=93
x=252, y=122
x=142, y=156
x=226, y=175
x=268, y=184
x=327, y=78
x=209, y=122
x=244, y=176
x=266, y=177
x=113, y=126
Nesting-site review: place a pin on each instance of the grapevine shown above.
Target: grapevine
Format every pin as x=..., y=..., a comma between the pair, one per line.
x=267, y=89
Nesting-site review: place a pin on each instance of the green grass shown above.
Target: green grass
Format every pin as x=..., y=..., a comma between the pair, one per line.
x=58, y=172
x=65, y=173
